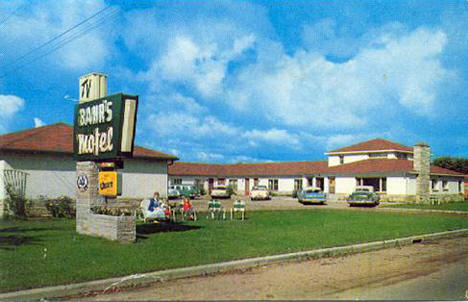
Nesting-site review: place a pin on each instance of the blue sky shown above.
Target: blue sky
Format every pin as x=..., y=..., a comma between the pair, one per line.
x=247, y=81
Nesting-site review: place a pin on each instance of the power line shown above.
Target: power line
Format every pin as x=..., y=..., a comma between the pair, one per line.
x=63, y=43
x=15, y=61
x=9, y=16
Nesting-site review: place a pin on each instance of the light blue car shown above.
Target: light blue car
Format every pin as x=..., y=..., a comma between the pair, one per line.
x=312, y=196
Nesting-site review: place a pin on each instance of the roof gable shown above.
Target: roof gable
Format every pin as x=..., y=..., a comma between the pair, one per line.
x=58, y=138
x=377, y=144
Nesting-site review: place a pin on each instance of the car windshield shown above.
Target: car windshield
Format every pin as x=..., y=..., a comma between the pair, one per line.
x=312, y=191
x=220, y=188
x=260, y=188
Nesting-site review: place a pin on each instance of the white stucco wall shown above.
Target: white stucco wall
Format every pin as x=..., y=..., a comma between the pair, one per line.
x=333, y=160
x=411, y=185
x=452, y=185
x=397, y=185
x=354, y=157
x=345, y=185
x=55, y=175
x=3, y=166
x=49, y=175
x=141, y=178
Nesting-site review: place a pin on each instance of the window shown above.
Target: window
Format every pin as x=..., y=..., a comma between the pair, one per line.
x=297, y=184
x=198, y=183
x=255, y=181
x=233, y=184
x=402, y=155
x=358, y=181
x=377, y=155
x=221, y=181
x=341, y=159
x=445, y=186
x=434, y=185
x=177, y=181
x=273, y=184
x=383, y=184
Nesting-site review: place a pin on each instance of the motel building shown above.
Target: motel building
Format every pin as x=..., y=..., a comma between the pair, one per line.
x=397, y=172
x=40, y=161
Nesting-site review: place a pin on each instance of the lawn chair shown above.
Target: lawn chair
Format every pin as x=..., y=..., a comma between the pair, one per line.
x=238, y=206
x=144, y=204
x=215, y=208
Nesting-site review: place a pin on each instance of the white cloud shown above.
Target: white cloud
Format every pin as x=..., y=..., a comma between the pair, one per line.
x=185, y=125
x=203, y=65
x=38, y=122
x=9, y=106
x=273, y=136
x=31, y=28
x=307, y=90
x=209, y=157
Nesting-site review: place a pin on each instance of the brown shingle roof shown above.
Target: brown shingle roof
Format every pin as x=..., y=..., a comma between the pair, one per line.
x=377, y=144
x=254, y=169
x=58, y=138
x=374, y=166
x=369, y=166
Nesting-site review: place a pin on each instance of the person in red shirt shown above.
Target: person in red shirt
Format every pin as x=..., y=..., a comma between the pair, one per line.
x=188, y=208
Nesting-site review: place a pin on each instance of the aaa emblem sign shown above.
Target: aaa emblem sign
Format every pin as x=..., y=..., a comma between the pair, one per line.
x=108, y=183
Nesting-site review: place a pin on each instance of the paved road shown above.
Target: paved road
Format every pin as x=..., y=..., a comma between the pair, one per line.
x=430, y=270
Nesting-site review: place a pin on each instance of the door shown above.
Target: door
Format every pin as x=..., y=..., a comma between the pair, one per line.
x=247, y=187
x=210, y=185
x=332, y=185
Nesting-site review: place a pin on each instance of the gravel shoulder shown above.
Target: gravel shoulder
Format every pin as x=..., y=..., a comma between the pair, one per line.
x=429, y=270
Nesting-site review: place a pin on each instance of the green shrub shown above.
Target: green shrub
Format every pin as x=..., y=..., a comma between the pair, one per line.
x=61, y=207
x=230, y=190
x=104, y=210
x=15, y=203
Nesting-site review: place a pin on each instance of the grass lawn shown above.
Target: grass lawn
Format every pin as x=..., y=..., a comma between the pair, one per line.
x=42, y=253
x=453, y=206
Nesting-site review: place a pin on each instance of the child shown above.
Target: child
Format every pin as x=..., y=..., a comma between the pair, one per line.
x=188, y=208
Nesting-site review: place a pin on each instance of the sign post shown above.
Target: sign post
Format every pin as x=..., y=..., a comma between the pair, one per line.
x=91, y=86
x=103, y=136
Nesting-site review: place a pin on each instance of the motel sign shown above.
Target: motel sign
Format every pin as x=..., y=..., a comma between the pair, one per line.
x=104, y=129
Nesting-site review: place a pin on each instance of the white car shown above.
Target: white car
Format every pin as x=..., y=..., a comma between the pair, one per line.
x=220, y=192
x=173, y=192
x=259, y=192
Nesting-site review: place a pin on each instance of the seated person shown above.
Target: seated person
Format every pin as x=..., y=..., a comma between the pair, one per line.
x=188, y=208
x=154, y=210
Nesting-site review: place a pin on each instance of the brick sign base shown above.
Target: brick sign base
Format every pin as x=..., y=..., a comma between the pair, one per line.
x=121, y=228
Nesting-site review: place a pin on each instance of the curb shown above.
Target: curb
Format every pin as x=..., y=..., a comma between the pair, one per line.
x=171, y=274
x=427, y=211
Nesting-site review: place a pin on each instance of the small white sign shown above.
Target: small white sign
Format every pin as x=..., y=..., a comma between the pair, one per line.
x=93, y=86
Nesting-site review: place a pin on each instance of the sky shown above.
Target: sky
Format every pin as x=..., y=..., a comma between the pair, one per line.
x=246, y=81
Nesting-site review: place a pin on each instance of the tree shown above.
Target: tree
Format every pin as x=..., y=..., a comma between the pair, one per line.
x=458, y=164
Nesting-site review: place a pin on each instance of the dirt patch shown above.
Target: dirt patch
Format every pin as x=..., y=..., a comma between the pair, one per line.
x=324, y=278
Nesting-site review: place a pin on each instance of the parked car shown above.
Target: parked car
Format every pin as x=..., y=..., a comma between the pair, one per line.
x=220, y=192
x=364, y=196
x=190, y=191
x=173, y=192
x=312, y=195
x=259, y=192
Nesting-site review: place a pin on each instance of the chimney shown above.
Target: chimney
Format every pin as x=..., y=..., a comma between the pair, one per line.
x=422, y=166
